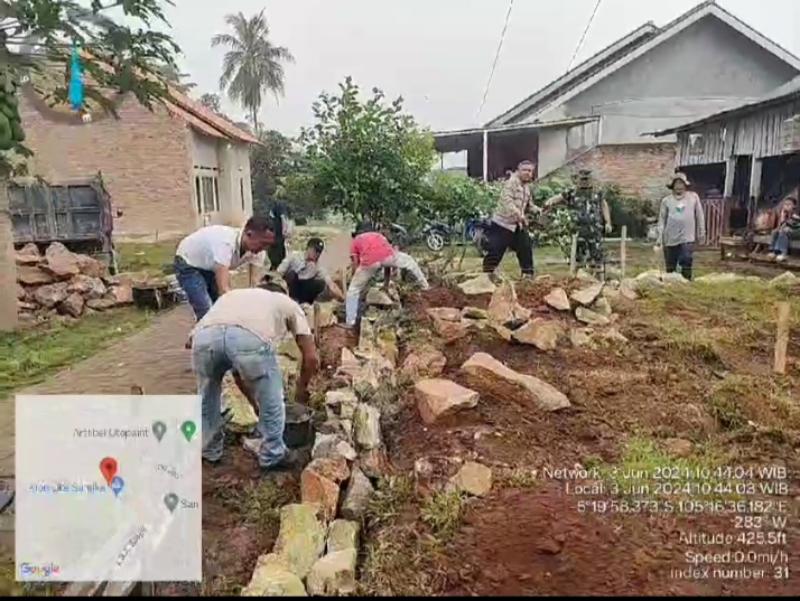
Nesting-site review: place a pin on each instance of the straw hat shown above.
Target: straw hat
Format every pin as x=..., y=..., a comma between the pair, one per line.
x=678, y=176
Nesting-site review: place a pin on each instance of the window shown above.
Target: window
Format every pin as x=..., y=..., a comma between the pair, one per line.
x=216, y=194
x=198, y=197
x=210, y=200
x=697, y=144
x=241, y=191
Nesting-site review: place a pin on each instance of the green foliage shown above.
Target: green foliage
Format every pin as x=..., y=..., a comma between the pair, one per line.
x=454, y=197
x=632, y=212
x=269, y=161
x=253, y=65
x=443, y=512
x=212, y=102
x=126, y=56
x=367, y=159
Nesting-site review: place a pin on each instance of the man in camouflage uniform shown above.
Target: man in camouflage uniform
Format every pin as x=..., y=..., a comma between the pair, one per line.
x=591, y=218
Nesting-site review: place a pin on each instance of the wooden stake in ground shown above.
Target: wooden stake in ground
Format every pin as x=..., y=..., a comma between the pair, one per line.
x=573, y=259
x=250, y=273
x=316, y=323
x=782, y=337
x=623, y=249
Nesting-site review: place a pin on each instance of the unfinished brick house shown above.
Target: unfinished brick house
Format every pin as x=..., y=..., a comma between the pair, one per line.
x=168, y=171
x=598, y=114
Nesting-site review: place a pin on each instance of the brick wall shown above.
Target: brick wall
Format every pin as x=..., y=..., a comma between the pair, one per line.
x=144, y=157
x=640, y=170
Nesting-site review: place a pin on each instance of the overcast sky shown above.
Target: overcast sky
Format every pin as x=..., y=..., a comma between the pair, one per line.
x=436, y=53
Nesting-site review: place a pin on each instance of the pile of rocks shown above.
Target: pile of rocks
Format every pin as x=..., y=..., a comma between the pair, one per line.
x=60, y=282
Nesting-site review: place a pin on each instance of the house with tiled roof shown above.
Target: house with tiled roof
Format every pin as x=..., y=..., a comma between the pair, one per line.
x=168, y=171
x=598, y=115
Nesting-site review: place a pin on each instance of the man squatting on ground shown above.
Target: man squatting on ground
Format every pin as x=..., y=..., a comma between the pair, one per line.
x=681, y=223
x=509, y=227
x=787, y=228
x=205, y=258
x=305, y=278
x=369, y=253
x=240, y=332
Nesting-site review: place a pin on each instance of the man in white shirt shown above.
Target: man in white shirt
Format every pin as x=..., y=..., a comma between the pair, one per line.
x=304, y=276
x=240, y=332
x=204, y=259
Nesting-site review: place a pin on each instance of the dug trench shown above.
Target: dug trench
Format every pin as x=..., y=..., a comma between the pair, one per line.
x=640, y=405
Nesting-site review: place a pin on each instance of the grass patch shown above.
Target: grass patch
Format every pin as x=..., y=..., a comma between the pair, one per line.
x=738, y=400
x=28, y=357
x=146, y=257
x=520, y=477
x=258, y=503
x=391, y=496
x=442, y=512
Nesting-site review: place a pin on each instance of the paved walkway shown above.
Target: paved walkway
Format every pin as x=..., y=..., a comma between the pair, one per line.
x=153, y=359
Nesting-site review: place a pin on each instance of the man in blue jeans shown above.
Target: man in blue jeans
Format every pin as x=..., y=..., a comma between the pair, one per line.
x=204, y=259
x=240, y=332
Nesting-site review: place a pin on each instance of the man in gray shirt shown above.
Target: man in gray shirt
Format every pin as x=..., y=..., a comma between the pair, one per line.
x=304, y=276
x=681, y=223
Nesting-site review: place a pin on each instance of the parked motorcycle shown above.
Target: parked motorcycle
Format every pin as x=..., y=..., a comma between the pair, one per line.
x=436, y=235
x=475, y=232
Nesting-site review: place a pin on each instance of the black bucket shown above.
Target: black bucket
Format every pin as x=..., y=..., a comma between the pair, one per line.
x=299, y=431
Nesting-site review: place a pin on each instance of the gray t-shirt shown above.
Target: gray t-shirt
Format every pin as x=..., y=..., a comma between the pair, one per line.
x=681, y=220
x=306, y=270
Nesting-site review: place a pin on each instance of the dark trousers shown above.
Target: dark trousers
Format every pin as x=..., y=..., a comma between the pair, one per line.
x=199, y=285
x=304, y=291
x=499, y=240
x=680, y=254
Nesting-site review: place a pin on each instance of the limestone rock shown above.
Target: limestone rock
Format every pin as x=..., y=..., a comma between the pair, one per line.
x=787, y=278
x=479, y=285
x=488, y=376
x=386, y=342
x=541, y=333
x=332, y=446
x=100, y=304
x=28, y=255
x=602, y=307
x=591, y=318
x=243, y=418
x=273, y=578
x=439, y=397
x=301, y=539
x=367, y=426
x=719, y=278
x=378, y=298
x=319, y=484
x=445, y=313
x=52, y=294
x=474, y=479
x=72, y=305
x=424, y=362
x=89, y=287
x=24, y=306
x=585, y=276
x=474, y=313
x=31, y=275
x=674, y=278
x=504, y=308
x=342, y=403
x=61, y=262
x=342, y=534
x=374, y=463
x=450, y=331
x=647, y=279
x=558, y=300
x=356, y=497
x=580, y=337
x=503, y=332
x=627, y=290
x=334, y=574
x=613, y=335
x=91, y=267
x=22, y=294
x=121, y=294
x=678, y=447
x=587, y=296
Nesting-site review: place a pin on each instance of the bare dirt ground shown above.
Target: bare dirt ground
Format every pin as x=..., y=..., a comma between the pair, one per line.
x=528, y=536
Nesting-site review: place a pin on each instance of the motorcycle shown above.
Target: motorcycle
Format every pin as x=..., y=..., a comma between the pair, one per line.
x=436, y=235
x=475, y=232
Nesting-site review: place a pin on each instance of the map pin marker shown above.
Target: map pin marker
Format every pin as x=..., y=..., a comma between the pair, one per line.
x=171, y=501
x=108, y=467
x=117, y=484
x=188, y=428
x=159, y=429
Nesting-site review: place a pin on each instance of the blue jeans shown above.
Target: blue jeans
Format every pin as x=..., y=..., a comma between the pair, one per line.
x=199, y=285
x=680, y=254
x=218, y=349
x=780, y=242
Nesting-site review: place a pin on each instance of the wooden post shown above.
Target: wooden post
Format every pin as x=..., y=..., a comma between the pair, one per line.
x=623, y=249
x=730, y=173
x=755, y=178
x=782, y=337
x=250, y=272
x=573, y=259
x=486, y=155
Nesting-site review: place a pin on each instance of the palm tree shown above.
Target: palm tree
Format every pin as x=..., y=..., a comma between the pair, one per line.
x=253, y=64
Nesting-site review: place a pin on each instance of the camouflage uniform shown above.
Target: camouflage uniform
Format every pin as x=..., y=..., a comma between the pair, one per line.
x=586, y=207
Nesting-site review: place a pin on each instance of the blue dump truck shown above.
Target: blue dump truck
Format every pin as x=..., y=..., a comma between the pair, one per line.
x=76, y=213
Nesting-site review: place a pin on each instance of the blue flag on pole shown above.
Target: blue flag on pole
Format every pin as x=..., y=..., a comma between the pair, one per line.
x=76, y=80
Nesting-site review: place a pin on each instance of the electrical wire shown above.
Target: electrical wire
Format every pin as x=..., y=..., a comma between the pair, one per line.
x=496, y=59
x=583, y=37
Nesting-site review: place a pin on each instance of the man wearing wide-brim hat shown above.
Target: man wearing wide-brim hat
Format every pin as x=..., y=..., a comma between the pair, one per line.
x=681, y=224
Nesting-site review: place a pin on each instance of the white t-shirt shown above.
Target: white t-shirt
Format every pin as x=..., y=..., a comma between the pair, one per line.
x=268, y=315
x=306, y=270
x=216, y=245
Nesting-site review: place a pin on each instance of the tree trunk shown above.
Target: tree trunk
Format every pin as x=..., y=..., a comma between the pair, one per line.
x=254, y=115
x=8, y=266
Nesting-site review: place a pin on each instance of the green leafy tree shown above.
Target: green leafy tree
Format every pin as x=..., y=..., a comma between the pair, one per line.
x=367, y=159
x=212, y=102
x=253, y=65
x=126, y=57
x=453, y=198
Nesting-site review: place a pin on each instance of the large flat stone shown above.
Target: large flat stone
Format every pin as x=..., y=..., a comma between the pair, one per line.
x=301, y=539
x=367, y=426
x=558, y=299
x=587, y=296
x=474, y=479
x=333, y=574
x=342, y=534
x=590, y=317
x=438, y=397
x=477, y=286
x=541, y=333
x=490, y=377
x=357, y=496
x=273, y=578
x=424, y=362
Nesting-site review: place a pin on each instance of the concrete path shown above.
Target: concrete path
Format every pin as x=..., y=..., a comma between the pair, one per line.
x=153, y=359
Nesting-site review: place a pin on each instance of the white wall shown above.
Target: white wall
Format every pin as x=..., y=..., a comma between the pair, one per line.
x=235, y=178
x=552, y=149
x=204, y=150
